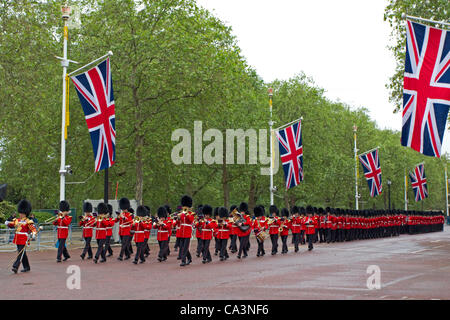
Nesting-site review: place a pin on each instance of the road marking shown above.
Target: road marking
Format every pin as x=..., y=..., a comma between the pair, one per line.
x=438, y=246
x=405, y=297
x=421, y=250
x=401, y=279
x=435, y=241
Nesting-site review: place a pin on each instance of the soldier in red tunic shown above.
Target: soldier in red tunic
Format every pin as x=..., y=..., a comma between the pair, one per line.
x=233, y=233
x=310, y=224
x=148, y=227
x=259, y=226
x=198, y=231
x=125, y=220
x=285, y=225
x=244, y=230
x=87, y=223
x=273, y=228
x=139, y=226
x=295, y=227
x=62, y=223
x=110, y=225
x=185, y=220
x=223, y=233
x=100, y=231
x=208, y=227
x=163, y=225
x=24, y=227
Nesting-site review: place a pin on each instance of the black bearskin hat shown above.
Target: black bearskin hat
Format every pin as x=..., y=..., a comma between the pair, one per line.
x=162, y=212
x=64, y=206
x=24, y=206
x=273, y=209
x=102, y=208
x=207, y=210
x=141, y=211
x=87, y=207
x=309, y=209
x=258, y=211
x=243, y=207
x=124, y=204
x=284, y=212
x=147, y=208
x=223, y=212
x=186, y=201
x=302, y=210
x=110, y=209
x=320, y=210
x=294, y=210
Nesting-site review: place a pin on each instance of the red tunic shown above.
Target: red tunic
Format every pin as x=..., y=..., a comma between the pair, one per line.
x=273, y=228
x=248, y=222
x=138, y=228
x=208, y=226
x=224, y=230
x=286, y=226
x=295, y=225
x=87, y=225
x=110, y=224
x=163, y=230
x=310, y=225
x=124, y=223
x=63, y=226
x=100, y=228
x=23, y=228
x=185, y=222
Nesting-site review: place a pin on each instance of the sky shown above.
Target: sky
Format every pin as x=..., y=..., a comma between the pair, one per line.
x=342, y=45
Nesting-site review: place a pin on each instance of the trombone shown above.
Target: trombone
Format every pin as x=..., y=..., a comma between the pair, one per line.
x=52, y=219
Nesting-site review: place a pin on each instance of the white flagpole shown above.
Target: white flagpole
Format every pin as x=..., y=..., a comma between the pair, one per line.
x=368, y=151
x=271, y=146
x=426, y=20
x=64, y=63
x=355, y=128
x=92, y=62
x=406, y=192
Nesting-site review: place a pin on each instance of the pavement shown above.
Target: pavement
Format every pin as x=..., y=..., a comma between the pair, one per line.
x=407, y=267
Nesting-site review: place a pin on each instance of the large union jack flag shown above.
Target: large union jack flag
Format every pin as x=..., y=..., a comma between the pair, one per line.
x=95, y=91
x=291, y=152
x=426, y=88
x=419, y=182
x=372, y=171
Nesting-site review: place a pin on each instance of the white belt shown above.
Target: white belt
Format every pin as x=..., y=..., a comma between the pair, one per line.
x=188, y=225
x=206, y=230
x=274, y=226
x=22, y=233
x=109, y=228
x=223, y=229
x=139, y=232
x=63, y=227
x=296, y=225
x=100, y=228
x=125, y=226
x=163, y=231
x=88, y=227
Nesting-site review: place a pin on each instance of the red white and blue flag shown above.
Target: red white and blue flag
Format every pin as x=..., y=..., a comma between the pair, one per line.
x=426, y=88
x=419, y=182
x=291, y=152
x=95, y=90
x=372, y=171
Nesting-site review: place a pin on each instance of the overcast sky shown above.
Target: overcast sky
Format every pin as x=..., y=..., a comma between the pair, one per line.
x=342, y=45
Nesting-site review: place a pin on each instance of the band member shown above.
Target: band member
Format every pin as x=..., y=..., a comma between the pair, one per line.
x=109, y=228
x=317, y=221
x=101, y=224
x=147, y=229
x=302, y=225
x=208, y=227
x=172, y=223
x=139, y=226
x=62, y=223
x=310, y=224
x=223, y=232
x=87, y=222
x=233, y=233
x=285, y=225
x=163, y=226
x=322, y=225
x=185, y=220
x=24, y=227
x=177, y=234
x=259, y=227
x=244, y=230
x=216, y=241
x=130, y=245
x=273, y=229
x=125, y=220
x=295, y=227
x=198, y=231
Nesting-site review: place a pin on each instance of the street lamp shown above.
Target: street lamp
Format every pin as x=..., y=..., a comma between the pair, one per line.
x=389, y=182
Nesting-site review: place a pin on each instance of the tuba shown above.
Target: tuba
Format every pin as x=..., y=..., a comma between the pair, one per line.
x=237, y=218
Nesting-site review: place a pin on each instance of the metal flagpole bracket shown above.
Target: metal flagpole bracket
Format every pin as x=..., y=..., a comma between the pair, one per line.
x=405, y=16
x=368, y=151
x=110, y=53
x=287, y=124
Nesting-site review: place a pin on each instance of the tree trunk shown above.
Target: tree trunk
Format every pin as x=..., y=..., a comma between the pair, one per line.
x=139, y=168
x=225, y=185
x=252, y=194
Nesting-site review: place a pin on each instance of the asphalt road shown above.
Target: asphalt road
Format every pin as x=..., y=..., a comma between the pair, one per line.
x=410, y=267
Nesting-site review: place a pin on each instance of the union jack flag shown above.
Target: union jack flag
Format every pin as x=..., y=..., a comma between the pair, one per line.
x=419, y=182
x=95, y=90
x=372, y=171
x=426, y=88
x=291, y=152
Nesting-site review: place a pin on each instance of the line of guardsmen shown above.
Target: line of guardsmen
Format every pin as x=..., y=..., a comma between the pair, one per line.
x=307, y=225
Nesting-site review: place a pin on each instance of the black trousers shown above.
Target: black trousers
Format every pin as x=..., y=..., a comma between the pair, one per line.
x=205, y=250
x=284, y=247
x=139, y=251
x=296, y=240
x=302, y=236
x=184, y=249
x=233, y=246
x=22, y=257
x=108, y=245
x=87, y=247
x=274, y=239
x=243, y=245
x=147, y=248
x=322, y=235
x=199, y=246
x=101, y=249
x=125, y=249
x=222, y=243
x=309, y=239
x=261, y=250
x=62, y=250
x=163, y=249
x=216, y=246
x=177, y=243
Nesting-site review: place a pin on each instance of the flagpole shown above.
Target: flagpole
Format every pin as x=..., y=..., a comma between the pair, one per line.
x=426, y=20
x=105, y=190
x=355, y=128
x=271, y=146
x=64, y=63
x=446, y=190
x=406, y=192
x=110, y=53
x=287, y=124
x=368, y=151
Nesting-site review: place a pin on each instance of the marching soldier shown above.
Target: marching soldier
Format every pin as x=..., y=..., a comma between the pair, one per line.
x=139, y=226
x=24, y=227
x=310, y=224
x=233, y=233
x=223, y=233
x=295, y=227
x=285, y=225
x=100, y=231
x=62, y=223
x=163, y=225
x=244, y=230
x=110, y=223
x=125, y=220
x=185, y=220
x=148, y=226
x=259, y=227
x=273, y=228
x=198, y=231
x=302, y=225
x=87, y=222
x=208, y=227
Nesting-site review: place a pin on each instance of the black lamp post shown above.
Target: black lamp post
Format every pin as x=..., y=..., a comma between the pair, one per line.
x=389, y=182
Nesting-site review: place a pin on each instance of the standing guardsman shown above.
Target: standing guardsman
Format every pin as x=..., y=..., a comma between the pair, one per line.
x=62, y=223
x=185, y=220
x=125, y=220
x=208, y=227
x=259, y=226
x=24, y=227
x=87, y=223
x=100, y=231
x=138, y=227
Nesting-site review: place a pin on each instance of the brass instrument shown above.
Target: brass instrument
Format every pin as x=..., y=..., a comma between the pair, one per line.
x=283, y=222
x=52, y=219
x=237, y=218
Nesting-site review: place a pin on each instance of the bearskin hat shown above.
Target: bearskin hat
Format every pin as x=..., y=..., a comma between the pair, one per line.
x=273, y=209
x=24, y=207
x=169, y=211
x=294, y=210
x=102, y=208
x=141, y=211
x=258, y=211
x=223, y=212
x=64, y=206
x=233, y=207
x=207, y=210
x=186, y=201
x=87, y=207
x=309, y=209
x=110, y=209
x=284, y=212
x=320, y=210
x=302, y=210
x=243, y=207
x=124, y=204
x=162, y=212
x=147, y=209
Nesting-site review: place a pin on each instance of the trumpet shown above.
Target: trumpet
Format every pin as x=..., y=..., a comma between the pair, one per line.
x=50, y=220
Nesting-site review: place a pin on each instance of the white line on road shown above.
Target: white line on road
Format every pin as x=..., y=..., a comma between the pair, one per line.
x=401, y=279
x=419, y=250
